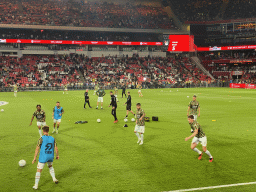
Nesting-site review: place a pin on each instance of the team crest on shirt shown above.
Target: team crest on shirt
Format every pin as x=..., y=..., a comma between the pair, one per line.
x=3, y=103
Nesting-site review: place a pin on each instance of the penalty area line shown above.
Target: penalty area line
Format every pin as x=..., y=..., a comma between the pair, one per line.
x=213, y=187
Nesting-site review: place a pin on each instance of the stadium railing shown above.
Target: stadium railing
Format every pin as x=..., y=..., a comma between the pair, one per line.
x=146, y=85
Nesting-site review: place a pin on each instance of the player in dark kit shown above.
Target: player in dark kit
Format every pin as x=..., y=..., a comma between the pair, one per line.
x=123, y=90
x=128, y=105
x=86, y=99
x=114, y=106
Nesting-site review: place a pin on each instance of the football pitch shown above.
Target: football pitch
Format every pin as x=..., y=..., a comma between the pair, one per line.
x=106, y=157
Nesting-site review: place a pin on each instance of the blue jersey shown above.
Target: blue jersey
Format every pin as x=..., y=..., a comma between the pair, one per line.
x=57, y=111
x=47, y=144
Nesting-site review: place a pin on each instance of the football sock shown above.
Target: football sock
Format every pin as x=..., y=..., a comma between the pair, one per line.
x=138, y=135
x=142, y=137
x=52, y=173
x=37, y=178
x=40, y=133
x=196, y=150
x=208, y=153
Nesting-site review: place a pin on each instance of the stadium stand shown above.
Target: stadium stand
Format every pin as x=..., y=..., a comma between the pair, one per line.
x=82, y=14
x=200, y=10
x=74, y=69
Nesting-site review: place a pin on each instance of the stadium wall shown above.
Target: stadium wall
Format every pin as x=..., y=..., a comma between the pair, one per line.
x=90, y=54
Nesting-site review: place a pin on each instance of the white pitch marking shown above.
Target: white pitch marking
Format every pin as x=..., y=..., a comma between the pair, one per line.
x=214, y=187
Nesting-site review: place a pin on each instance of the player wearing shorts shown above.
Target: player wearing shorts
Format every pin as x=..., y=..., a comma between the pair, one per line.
x=116, y=93
x=128, y=105
x=56, y=116
x=140, y=124
x=86, y=99
x=46, y=144
x=199, y=137
x=40, y=117
x=139, y=90
x=65, y=88
x=192, y=109
x=114, y=106
x=100, y=94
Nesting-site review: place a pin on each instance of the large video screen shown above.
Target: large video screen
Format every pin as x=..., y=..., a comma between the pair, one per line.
x=181, y=43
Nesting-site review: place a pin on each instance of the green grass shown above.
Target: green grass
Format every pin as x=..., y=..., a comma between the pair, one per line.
x=105, y=156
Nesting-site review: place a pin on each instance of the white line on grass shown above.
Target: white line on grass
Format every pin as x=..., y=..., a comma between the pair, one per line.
x=214, y=187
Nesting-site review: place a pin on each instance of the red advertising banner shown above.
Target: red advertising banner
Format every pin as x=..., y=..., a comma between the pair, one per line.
x=242, y=85
x=226, y=48
x=237, y=85
x=32, y=41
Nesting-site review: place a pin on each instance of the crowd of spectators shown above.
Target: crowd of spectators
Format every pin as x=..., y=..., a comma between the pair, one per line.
x=219, y=65
x=84, y=14
x=78, y=70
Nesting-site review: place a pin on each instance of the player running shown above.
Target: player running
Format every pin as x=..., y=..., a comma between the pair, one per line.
x=116, y=93
x=56, y=116
x=46, y=144
x=100, y=94
x=40, y=117
x=123, y=90
x=199, y=137
x=140, y=124
x=86, y=99
x=65, y=88
x=192, y=109
x=114, y=106
x=129, y=105
x=139, y=90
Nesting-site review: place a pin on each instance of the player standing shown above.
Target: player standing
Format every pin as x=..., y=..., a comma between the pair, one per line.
x=86, y=99
x=65, y=88
x=47, y=144
x=128, y=105
x=123, y=90
x=40, y=116
x=139, y=90
x=140, y=124
x=100, y=94
x=56, y=116
x=192, y=109
x=15, y=89
x=114, y=106
x=96, y=88
x=116, y=93
x=199, y=137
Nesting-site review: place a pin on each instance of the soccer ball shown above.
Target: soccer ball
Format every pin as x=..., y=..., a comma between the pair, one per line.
x=2, y=110
x=133, y=119
x=125, y=120
x=98, y=120
x=22, y=163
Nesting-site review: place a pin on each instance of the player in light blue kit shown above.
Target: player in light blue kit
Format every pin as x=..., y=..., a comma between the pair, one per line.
x=47, y=144
x=56, y=116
